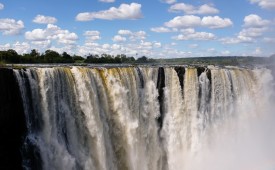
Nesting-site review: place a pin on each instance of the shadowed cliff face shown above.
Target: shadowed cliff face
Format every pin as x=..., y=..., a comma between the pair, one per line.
x=12, y=122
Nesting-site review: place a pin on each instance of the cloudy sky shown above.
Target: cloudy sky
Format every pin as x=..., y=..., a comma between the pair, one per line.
x=155, y=28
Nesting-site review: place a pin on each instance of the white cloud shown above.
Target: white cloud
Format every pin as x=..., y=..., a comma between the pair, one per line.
x=254, y=20
x=21, y=48
x=160, y=29
x=116, y=47
x=237, y=40
x=5, y=47
x=254, y=28
x=42, y=44
x=52, y=32
x=188, y=21
x=41, y=19
x=125, y=32
x=107, y=1
x=92, y=35
x=190, y=9
x=145, y=45
x=123, y=12
x=106, y=46
x=66, y=37
x=184, y=21
x=36, y=35
x=118, y=38
x=157, y=44
x=139, y=35
x=216, y=22
x=253, y=32
x=169, y=1
x=266, y=4
x=195, y=36
x=11, y=26
x=188, y=31
x=1, y=6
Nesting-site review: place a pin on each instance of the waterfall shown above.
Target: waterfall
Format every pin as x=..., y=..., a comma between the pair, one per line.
x=136, y=118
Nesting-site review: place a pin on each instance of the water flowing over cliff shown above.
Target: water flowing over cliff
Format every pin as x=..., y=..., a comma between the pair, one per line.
x=138, y=118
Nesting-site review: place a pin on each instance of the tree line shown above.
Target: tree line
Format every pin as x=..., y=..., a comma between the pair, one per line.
x=51, y=56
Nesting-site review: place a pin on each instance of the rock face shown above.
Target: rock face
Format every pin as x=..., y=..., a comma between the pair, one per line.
x=12, y=122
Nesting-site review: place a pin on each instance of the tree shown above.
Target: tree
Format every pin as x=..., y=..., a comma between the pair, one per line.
x=67, y=58
x=34, y=53
x=142, y=59
x=52, y=56
x=12, y=56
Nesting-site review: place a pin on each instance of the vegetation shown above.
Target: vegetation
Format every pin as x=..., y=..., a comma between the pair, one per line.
x=50, y=56
x=218, y=60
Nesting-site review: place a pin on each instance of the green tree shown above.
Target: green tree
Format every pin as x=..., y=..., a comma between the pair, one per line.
x=52, y=56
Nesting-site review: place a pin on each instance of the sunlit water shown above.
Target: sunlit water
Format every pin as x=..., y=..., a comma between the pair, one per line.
x=122, y=118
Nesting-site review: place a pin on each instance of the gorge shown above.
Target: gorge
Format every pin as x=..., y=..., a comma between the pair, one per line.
x=137, y=118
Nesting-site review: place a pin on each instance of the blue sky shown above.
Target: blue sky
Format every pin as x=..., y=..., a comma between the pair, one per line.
x=154, y=28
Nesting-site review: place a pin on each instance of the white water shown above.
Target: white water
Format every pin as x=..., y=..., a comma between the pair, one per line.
x=91, y=118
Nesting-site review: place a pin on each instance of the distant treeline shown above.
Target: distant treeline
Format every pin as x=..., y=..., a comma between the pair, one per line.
x=220, y=60
x=50, y=56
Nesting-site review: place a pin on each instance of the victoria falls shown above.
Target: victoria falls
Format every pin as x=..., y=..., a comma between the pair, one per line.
x=138, y=117
x=137, y=85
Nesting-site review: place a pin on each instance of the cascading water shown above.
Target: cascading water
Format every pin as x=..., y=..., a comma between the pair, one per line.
x=136, y=118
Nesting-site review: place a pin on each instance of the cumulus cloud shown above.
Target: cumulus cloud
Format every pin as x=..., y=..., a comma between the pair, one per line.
x=169, y=1
x=190, y=9
x=253, y=32
x=1, y=6
x=123, y=12
x=125, y=32
x=184, y=21
x=216, y=22
x=161, y=29
x=37, y=35
x=5, y=47
x=41, y=19
x=11, y=26
x=254, y=28
x=237, y=40
x=107, y=1
x=254, y=20
x=195, y=36
x=139, y=35
x=265, y=4
x=188, y=21
x=119, y=38
x=52, y=32
x=42, y=44
x=21, y=48
x=92, y=35
x=157, y=44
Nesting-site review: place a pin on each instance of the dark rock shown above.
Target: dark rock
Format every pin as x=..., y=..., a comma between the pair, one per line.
x=12, y=122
